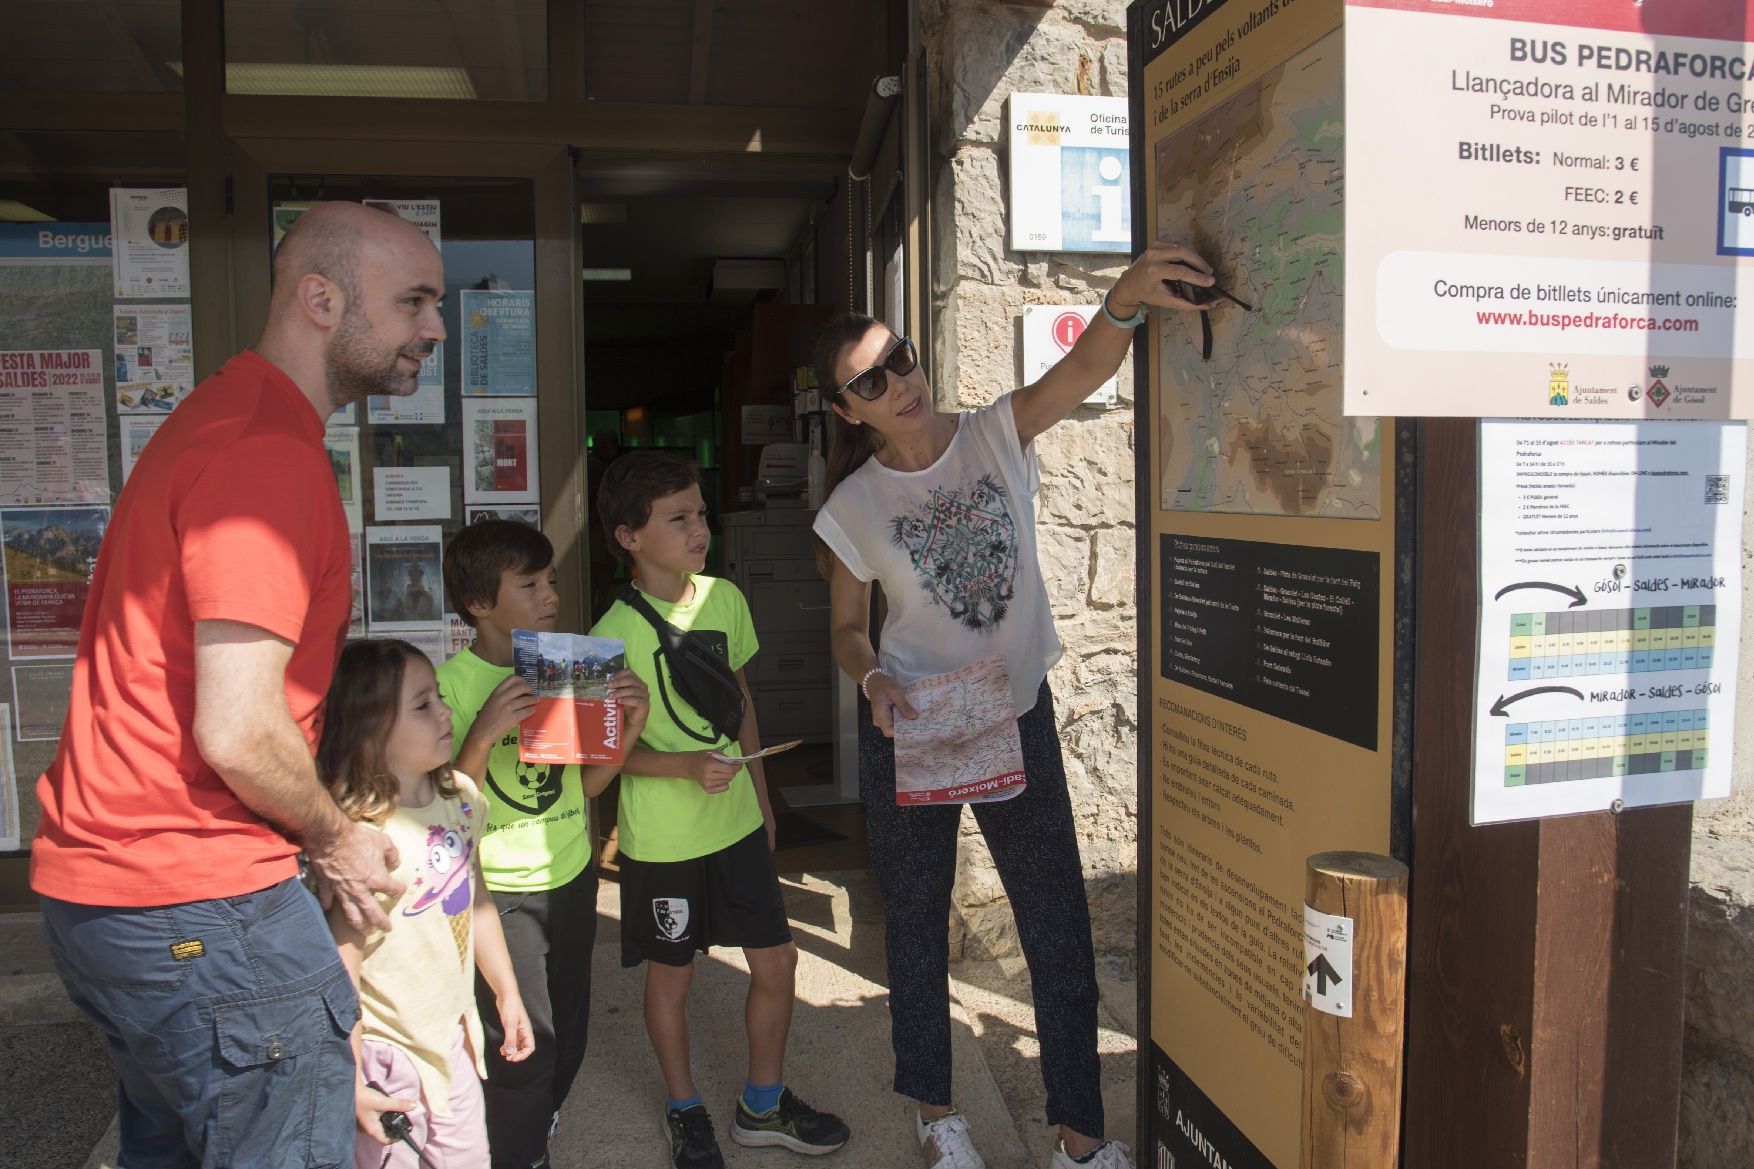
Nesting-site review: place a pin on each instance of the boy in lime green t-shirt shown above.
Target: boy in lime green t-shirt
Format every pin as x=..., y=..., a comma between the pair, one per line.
x=536, y=847
x=696, y=828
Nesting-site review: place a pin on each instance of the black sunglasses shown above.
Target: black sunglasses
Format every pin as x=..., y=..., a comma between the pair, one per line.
x=871, y=384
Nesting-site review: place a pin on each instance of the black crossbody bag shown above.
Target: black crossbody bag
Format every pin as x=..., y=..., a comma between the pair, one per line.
x=702, y=678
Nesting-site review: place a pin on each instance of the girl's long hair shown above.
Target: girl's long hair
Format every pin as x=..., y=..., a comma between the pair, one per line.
x=365, y=699
x=848, y=445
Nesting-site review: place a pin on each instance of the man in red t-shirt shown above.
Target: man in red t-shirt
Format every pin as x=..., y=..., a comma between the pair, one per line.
x=184, y=789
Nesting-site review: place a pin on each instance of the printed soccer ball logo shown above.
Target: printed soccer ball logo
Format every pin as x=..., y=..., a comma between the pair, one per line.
x=671, y=916
x=534, y=788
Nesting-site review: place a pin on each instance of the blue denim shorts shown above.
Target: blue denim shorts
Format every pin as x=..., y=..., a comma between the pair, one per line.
x=228, y=1022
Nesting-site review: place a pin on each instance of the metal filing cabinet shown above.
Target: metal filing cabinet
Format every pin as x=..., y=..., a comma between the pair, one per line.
x=799, y=694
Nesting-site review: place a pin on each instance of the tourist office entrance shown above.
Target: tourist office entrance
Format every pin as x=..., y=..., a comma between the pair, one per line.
x=641, y=230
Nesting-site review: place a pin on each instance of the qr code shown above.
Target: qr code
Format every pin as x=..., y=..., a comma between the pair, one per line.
x=1717, y=489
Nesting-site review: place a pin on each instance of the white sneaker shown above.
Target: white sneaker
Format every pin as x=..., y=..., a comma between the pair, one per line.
x=946, y=1142
x=1109, y=1155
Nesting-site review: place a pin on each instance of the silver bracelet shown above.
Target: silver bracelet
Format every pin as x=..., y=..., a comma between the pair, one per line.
x=865, y=682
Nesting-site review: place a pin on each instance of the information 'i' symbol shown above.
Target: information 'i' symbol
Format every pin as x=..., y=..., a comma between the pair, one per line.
x=1068, y=327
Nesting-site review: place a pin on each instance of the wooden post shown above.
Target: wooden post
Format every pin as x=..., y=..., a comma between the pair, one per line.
x=1352, y=1066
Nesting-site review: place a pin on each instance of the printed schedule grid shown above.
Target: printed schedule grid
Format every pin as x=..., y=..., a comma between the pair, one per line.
x=1579, y=642
x=1611, y=745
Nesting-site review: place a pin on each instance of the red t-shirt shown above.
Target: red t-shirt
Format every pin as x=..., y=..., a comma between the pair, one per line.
x=231, y=514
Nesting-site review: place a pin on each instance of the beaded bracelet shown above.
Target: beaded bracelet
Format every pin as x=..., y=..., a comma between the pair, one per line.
x=865, y=682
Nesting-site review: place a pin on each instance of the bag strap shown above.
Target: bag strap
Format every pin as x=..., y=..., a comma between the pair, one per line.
x=669, y=643
x=668, y=634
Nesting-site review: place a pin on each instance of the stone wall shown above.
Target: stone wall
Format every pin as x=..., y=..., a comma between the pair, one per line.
x=1717, y=1089
x=979, y=53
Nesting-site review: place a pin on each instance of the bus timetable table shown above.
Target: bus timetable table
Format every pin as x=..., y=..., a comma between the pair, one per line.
x=1664, y=742
x=1580, y=642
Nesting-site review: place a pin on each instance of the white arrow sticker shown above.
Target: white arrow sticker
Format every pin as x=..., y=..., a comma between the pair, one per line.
x=1327, y=962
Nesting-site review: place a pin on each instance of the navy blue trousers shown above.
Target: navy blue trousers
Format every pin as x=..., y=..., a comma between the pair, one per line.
x=1034, y=846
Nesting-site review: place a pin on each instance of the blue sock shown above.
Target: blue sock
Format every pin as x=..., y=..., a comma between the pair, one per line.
x=761, y=1098
x=681, y=1105
x=1088, y=1157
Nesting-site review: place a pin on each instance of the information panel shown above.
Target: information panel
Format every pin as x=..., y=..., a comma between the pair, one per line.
x=1611, y=610
x=1267, y=567
x=1560, y=200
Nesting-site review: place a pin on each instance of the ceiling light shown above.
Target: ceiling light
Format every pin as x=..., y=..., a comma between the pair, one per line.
x=12, y=211
x=602, y=212
x=287, y=79
x=619, y=274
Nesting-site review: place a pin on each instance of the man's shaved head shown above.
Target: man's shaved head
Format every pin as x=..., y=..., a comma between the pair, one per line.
x=327, y=240
x=355, y=301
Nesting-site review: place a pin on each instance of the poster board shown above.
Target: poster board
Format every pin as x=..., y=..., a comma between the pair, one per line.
x=1610, y=600
x=1267, y=569
x=1561, y=206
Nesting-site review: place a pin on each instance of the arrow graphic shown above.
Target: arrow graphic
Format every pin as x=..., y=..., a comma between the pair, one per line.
x=1576, y=594
x=1324, y=973
x=1500, y=709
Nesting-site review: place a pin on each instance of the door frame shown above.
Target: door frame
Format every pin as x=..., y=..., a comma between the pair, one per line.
x=253, y=162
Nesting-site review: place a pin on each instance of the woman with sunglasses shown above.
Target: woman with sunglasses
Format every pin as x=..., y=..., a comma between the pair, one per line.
x=938, y=508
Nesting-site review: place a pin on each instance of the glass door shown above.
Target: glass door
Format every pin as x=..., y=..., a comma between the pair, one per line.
x=495, y=428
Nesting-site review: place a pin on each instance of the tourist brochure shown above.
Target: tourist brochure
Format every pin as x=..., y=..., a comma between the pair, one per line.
x=963, y=748
x=776, y=749
x=574, y=720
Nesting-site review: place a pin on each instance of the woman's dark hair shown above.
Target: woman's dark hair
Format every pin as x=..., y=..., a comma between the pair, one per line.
x=635, y=481
x=848, y=445
x=364, y=702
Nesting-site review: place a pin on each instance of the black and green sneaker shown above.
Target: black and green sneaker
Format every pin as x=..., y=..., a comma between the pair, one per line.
x=792, y=1125
x=692, y=1144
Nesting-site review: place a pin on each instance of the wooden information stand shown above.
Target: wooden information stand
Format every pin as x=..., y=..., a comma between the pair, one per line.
x=1308, y=618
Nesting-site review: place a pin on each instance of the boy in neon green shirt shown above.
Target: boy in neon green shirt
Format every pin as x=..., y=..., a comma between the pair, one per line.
x=696, y=828
x=536, y=848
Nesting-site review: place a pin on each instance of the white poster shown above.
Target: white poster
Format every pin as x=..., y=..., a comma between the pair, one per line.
x=342, y=443
x=430, y=642
x=459, y=634
x=52, y=431
x=1558, y=202
x=9, y=829
x=1610, y=614
x=40, y=697
x=1070, y=182
x=155, y=357
x=1049, y=332
x=150, y=249
x=499, y=450
x=425, y=406
x=422, y=213
x=356, y=584
x=137, y=431
x=521, y=515
x=404, y=585
x=411, y=493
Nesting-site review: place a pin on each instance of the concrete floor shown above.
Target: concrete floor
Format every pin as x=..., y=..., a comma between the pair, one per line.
x=838, y=1057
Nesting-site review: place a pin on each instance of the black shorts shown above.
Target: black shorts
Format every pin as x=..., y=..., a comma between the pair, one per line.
x=670, y=909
